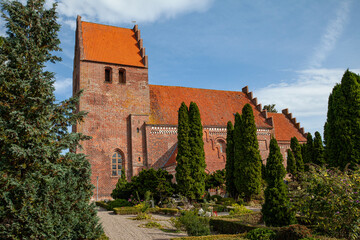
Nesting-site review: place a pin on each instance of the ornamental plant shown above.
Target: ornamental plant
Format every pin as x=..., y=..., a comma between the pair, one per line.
x=329, y=200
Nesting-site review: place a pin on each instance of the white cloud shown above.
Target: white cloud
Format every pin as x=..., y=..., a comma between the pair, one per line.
x=125, y=11
x=331, y=35
x=306, y=97
x=63, y=87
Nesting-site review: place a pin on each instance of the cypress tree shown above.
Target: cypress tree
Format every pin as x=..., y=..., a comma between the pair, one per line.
x=296, y=149
x=197, y=153
x=249, y=180
x=290, y=163
x=183, y=167
x=276, y=209
x=239, y=165
x=44, y=192
x=318, y=150
x=309, y=151
x=229, y=166
x=342, y=127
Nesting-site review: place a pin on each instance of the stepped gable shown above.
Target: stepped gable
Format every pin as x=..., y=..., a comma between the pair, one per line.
x=286, y=127
x=216, y=107
x=109, y=44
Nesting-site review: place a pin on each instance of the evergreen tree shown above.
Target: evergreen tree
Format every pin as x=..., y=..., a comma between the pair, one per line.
x=44, y=192
x=120, y=189
x=183, y=168
x=296, y=149
x=291, y=164
x=239, y=165
x=308, y=151
x=229, y=166
x=197, y=153
x=342, y=127
x=318, y=154
x=249, y=177
x=270, y=108
x=276, y=209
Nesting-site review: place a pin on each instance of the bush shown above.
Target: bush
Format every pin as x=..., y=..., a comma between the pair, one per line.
x=225, y=226
x=143, y=216
x=126, y=210
x=219, y=208
x=261, y=234
x=216, y=198
x=215, y=237
x=293, y=232
x=170, y=211
x=118, y=203
x=194, y=225
x=152, y=224
x=239, y=210
x=253, y=218
x=102, y=204
x=227, y=201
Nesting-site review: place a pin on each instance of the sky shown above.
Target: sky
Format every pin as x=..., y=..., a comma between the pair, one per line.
x=290, y=53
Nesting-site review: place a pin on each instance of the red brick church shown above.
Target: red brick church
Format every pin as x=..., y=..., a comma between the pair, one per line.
x=134, y=124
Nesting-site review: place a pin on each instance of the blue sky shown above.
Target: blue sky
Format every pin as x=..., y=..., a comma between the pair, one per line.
x=290, y=53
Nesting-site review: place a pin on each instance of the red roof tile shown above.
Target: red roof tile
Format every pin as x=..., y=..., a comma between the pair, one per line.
x=216, y=107
x=172, y=159
x=285, y=129
x=110, y=44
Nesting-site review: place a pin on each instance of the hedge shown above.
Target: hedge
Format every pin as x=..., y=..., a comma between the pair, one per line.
x=215, y=237
x=127, y=210
x=170, y=211
x=225, y=226
x=102, y=204
x=253, y=218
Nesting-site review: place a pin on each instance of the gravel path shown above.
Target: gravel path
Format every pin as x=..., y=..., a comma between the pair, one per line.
x=121, y=227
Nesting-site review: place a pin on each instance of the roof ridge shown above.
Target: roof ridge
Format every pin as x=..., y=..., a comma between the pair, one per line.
x=107, y=25
x=196, y=88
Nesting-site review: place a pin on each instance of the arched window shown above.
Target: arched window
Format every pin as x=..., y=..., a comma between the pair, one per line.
x=108, y=74
x=122, y=75
x=116, y=164
x=222, y=145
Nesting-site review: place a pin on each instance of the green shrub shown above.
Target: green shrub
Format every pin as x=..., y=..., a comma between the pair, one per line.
x=253, y=218
x=261, y=234
x=219, y=208
x=103, y=237
x=143, y=216
x=239, y=210
x=170, y=211
x=227, y=226
x=227, y=201
x=126, y=210
x=215, y=237
x=102, y=204
x=216, y=198
x=194, y=225
x=293, y=232
x=118, y=203
x=152, y=224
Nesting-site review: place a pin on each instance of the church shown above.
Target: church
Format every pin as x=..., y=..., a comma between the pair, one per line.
x=133, y=124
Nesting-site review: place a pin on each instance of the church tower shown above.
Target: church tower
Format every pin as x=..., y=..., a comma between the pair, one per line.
x=111, y=68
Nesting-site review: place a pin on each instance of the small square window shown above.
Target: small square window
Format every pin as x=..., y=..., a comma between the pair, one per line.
x=119, y=160
x=114, y=160
x=119, y=172
x=114, y=173
x=107, y=74
x=113, y=166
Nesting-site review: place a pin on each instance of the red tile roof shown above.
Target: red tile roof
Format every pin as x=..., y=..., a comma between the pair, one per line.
x=172, y=159
x=110, y=44
x=216, y=107
x=284, y=128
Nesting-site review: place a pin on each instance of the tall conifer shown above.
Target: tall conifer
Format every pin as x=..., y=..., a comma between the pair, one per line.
x=239, y=165
x=308, y=151
x=229, y=166
x=183, y=168
x=197, y=154
x=296, y=149
x=248, y=181
x=276, y=209
x=318, y=153
x=44, y=192
x=342, y=127
x=291, y=164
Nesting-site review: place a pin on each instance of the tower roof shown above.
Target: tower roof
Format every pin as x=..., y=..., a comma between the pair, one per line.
x=109, y=44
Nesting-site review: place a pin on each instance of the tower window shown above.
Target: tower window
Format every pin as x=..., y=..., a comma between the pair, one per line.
x=222, y=145
x=138, y=130
x=122, y=75
x=107, y=74
x=116, y=164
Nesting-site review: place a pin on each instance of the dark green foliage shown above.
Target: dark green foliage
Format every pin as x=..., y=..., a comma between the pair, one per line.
x=197, y=153
x=342, y=128
x=229, y=166
x=118, y=203
x=126, y=210
x=309, y=150
x=318, y=151
x=158, y=182
x=194, y=225
x=296, y=149
x=228, y=226
x=247, y=156
x=44, y=193
x=276, y=209
x=215, y=179
x=293, y=232
x=183, y=168
x=291, y=164
x=120, y=190
x=270, y=108
x=261, y=234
